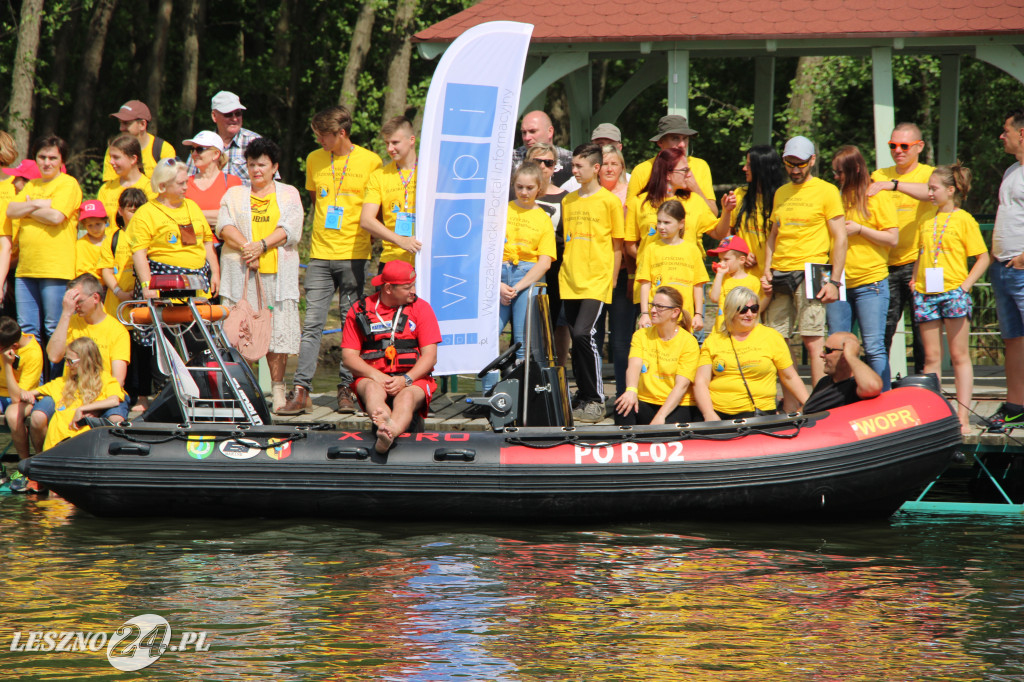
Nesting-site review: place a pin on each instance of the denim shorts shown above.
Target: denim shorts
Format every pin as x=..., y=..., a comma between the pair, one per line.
x=1008, y=287
x=945, y=306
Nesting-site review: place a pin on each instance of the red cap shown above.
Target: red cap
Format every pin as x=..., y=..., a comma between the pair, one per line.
x=395, y=272
x=732, y=243
x=92, y=209
x=133, y=110
x=26, y=169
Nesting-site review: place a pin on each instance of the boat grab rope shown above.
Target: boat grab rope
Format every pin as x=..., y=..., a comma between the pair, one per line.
x=237, y=436
x=545, y=442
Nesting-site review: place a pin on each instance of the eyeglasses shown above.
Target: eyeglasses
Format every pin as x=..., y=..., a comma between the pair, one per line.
x=832, y=350
x=658, y=306
x=199, y=150
x=169, y=161
x=73, y=361
x=232, y=114
x=550, y=163
x=903, y=146
x=684, y=171
x=790, y=164
x=753, y=308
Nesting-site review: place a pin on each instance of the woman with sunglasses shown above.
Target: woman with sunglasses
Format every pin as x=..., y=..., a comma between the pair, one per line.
x=740, y=362
x=209, y=183
x=872, y=229
x=170, y=235
x=662, y=365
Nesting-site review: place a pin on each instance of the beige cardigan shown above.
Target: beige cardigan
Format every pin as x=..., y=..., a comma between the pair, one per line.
x=235, y=210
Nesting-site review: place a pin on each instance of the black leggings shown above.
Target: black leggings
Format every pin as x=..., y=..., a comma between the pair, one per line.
x=582, y=315
x=683, y=414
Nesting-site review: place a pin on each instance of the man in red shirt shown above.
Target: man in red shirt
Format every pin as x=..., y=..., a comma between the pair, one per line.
x=389, y=343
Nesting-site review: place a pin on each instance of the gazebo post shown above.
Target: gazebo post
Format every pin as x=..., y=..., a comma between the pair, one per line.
x=679, y=82
x=764, y=96
x=554, y=67
x=579, y=91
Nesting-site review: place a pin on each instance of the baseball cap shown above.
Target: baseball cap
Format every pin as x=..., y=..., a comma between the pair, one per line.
x=395, y=272
x=133, y=110
x=225, y=102
x=799, y=147
x=206, y=138
x=93, y=208
x=673, y=124
x=26, y=169
x=731, y=243
x=607, y=130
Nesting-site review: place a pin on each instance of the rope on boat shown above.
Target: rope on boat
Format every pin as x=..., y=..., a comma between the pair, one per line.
x=237, y=436
x=546, y=442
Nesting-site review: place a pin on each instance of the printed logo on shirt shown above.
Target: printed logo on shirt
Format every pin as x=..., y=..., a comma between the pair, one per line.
x=643, y=368
x=412, y=326
x=719, y=367
x=378, y=327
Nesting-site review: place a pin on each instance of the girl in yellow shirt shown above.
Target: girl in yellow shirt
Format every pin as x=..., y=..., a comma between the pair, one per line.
x=126, y=159
x=673, y=262
x=942, y=284
x=872, y=229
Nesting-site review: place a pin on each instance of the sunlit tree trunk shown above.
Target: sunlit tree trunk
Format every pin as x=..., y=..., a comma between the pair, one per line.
x=801, y=102
x=361, y=35
x=398, y=70
x=19, y=121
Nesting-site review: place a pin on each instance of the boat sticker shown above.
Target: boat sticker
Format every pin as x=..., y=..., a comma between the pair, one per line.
x=279, y=451
x=896, y=419
x=240, y=448
x=199, y=447
x=617, y=453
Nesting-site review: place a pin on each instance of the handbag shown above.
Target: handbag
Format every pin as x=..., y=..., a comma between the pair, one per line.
x=249, y=330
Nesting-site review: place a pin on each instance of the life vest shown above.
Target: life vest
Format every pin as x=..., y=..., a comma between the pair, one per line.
x=390, y=347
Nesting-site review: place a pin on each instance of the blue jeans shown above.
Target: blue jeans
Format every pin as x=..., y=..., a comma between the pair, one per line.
x=323, y=278
x=511, y=275
x=869, y=305
x=1008, y=287
x=39, y=304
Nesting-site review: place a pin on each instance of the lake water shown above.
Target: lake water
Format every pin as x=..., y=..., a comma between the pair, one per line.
x=921, y=599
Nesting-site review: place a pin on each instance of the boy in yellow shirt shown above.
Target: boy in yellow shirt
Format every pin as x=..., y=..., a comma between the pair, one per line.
x=593, y=227
x=92, y=250
x=389, y=205
x=731, y=272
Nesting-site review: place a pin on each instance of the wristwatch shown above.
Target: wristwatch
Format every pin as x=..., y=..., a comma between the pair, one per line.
x=834, y=283
x=408, y=379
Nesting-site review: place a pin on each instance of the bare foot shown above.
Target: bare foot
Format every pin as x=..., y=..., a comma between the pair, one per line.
x=385, y=435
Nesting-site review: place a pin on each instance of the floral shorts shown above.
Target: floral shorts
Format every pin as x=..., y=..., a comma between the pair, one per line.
x=947, y=305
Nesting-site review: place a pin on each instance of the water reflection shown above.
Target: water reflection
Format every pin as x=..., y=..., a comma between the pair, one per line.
x=297, y=601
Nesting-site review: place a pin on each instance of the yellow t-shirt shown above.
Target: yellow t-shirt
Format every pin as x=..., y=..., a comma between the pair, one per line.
x=642, y=220
x=642, y=173
x=59, y=428
x=340, y=181
x=763, y=354
x=8, y=227
x=48, y=251
x=394, y=191
x=110, y=336
x=910, y=213
x=266, y=214
x=676, y=265
x=589, y=224
x=663, y=361
x=731, y=282
x=91, y=257
x=528, y=235
x=148, y=162
x=960, y=239
x=124, y=272
x=753, y=230
x=30, y=367
x=866, y=261
x=803, y=212
x=110, y=193
x=155, y=227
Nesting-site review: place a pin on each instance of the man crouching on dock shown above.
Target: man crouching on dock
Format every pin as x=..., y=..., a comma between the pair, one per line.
x=389, y=344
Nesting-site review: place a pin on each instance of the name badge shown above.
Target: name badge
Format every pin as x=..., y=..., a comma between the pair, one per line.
x=378, y=327
x=334, y=216
x=405, y=223
x=934, y=282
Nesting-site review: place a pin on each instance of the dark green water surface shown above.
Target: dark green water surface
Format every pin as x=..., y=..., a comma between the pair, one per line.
x=921, y=599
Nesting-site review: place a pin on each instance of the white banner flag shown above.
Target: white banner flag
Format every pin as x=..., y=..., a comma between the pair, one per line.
x=465, y=161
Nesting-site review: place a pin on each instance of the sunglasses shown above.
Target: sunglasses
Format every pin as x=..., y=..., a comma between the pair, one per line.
x=233, y=114
x=199, y=150
x=753, y=308
x=790, y=164
x=550, y=163
x=684, y=171
x=658, y=306
x=832, y=350
x=904, y=146
x=73, y=361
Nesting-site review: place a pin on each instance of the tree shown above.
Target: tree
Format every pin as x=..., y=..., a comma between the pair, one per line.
x=190, y=67
x=398, y=71
x=361, y=35
x=155, y=86
x=85, y=98
x=19, y=120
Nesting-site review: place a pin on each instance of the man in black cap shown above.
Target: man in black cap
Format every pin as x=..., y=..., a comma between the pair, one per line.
x=674, y=131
